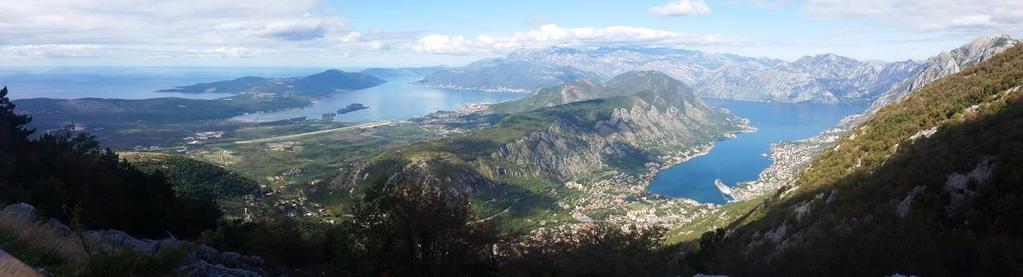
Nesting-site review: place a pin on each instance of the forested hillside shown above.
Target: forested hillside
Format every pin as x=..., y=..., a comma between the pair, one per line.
x=927, y=186
x=200, y=180
x=69, y=177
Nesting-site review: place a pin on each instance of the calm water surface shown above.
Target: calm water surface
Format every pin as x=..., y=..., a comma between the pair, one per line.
x=743, y=158
x=394, y=100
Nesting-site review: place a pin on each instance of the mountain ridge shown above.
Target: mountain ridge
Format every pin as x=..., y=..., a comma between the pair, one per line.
x=825, y=78
x=319, y=84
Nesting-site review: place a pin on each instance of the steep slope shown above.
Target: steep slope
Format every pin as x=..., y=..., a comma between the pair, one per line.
x=824, y=78
x=199, y=180
x=501, y=75
x=319, y=84
x=929, y=185
x=647, y=119
x=791, y=157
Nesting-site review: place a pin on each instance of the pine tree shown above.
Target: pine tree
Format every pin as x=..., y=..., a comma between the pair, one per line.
x=12, y=130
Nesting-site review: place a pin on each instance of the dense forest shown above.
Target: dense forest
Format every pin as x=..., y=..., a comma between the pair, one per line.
x=68, y=176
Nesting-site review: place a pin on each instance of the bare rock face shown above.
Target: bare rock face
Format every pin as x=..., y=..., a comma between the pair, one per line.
x=204, y=261
x=21, y=210
x=944, y=64
x=207, y=261
x=629, y=136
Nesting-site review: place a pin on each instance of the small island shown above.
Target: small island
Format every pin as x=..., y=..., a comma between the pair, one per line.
x=351, y=108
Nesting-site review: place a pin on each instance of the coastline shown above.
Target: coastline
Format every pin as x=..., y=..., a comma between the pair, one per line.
x=652, y=172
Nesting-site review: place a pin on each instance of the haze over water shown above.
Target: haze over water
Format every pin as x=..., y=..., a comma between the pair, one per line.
x=126, y=82
x=394, y=100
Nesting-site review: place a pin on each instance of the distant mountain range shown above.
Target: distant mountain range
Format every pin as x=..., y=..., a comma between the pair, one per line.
x=506, y=75
x=319, y=84
x=825, y=78
x=390, y=73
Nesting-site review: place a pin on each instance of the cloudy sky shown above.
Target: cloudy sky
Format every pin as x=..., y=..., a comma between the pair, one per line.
x=350, y=33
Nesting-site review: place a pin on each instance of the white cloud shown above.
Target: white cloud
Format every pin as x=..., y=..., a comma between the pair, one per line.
x=681, y=8
x=223, y=52
x=554, y=35
x=164, y=29
x=91, y=51
x=442, y=44
x=928, y=15
x=34, y=51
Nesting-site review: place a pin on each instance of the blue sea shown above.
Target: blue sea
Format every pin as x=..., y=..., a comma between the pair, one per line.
x=744, y=157
x=394, y=100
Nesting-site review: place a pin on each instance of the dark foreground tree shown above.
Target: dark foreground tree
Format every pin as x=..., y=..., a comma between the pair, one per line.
x=593, y=249
x=66, y=175
x=423, y=231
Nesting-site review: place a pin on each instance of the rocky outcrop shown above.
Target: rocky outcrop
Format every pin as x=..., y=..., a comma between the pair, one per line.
x=202, y=261
x=23, y=211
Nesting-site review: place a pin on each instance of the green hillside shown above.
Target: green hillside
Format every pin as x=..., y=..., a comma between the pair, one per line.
x=200, y=180
x=928, y=186
x=520, y=163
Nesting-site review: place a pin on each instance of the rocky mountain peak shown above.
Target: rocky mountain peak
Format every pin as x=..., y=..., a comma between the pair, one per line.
x=982, y=48
x=827, y=58
x=944, y=64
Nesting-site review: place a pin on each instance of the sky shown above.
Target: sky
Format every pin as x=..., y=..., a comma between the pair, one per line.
x=361, y=33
